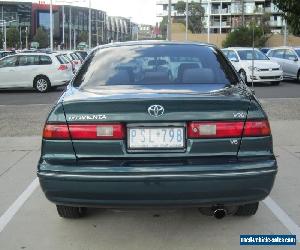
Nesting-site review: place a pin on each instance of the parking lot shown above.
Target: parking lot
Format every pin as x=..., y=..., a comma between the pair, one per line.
x=29, y=221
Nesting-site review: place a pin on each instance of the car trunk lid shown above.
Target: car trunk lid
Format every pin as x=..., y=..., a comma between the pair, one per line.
x=129, y=107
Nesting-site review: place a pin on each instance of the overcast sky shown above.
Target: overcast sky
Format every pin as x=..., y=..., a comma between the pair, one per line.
x=141, y=11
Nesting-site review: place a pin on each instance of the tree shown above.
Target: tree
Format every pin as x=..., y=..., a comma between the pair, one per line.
x=243, y=36
x=195, y=14
x=291, y=10
x=41, y=37
x=83, y=37
x=163, y=27
x=12, y=37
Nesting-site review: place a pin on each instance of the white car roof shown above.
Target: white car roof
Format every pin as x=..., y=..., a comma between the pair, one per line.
x=241, y=48
x=36, y=54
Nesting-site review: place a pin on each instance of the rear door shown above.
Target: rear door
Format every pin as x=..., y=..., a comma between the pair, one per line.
x=28, y=67
x=277, y=55
x=291, y=63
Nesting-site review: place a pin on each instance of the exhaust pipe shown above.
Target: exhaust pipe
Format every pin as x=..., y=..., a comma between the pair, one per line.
x=219, y=213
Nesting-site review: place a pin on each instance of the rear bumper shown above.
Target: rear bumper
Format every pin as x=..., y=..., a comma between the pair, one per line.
x=159, y=189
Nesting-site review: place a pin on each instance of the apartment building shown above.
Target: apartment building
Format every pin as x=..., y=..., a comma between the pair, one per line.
x=225, y=15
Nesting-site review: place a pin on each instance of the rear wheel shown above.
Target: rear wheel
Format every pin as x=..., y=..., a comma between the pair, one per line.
x=243, y=75
x=42, y=84
x=298, y=76
x=70, y=212
x=247, y=209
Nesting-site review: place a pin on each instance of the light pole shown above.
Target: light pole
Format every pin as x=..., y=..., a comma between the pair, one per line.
x=63, y=25
x=3, y=23
x=97, y=30
x=70, y=18
x=186, y=19
x=285, y=33
x=208, y=22
x=169, y=21
x=90, y=25
x=51, y=27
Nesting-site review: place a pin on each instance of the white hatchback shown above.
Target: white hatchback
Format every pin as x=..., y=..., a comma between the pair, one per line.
x=264, y=70
x=42, y=71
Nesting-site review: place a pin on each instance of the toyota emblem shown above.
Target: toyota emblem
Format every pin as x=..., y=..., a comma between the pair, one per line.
x=156, y=110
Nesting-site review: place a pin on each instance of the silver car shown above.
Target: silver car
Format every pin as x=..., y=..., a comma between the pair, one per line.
x=289, y=59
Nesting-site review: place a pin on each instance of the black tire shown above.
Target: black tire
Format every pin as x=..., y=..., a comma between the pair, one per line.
x=298, y=76
x=247, y=210
x=42, y=84
x=276, y=83
x=243, y=75
x=70, y=212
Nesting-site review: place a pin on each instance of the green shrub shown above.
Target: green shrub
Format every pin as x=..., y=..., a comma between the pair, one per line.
x=243, y=37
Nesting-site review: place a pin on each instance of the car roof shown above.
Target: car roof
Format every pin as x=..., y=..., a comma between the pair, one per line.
x=152, y=42
x=285, y=47
x=34, y=54
x=241, y=48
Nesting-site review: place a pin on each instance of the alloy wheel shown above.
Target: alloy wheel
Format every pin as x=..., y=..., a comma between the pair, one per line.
x=41, y=85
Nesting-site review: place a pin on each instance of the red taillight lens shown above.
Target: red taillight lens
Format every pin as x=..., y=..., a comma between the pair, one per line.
x=103, y=131
x=56, y=132
x=215, y=129
x=63, y=67
x=257, y=128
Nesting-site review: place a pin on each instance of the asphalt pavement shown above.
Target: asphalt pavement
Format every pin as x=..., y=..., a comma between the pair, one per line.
x=29, y=221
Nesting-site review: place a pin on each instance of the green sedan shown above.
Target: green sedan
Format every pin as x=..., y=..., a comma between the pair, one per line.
x=146, y=124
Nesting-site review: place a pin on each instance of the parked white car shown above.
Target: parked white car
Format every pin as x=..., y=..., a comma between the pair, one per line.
x=264, y=70
x=289, y=59
x=75, y=59
x=41, y=71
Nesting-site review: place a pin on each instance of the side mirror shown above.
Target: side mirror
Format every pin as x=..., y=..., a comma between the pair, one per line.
x=296, y=59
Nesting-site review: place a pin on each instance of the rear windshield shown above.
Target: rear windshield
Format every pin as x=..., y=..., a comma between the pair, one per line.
x=249, y=54
x=74, y=56
x=155, y=64
x=62, y=59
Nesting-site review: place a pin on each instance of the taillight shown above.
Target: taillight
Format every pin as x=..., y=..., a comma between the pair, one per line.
x=63, y=67
x=257, y=128
x=56, y=132
x=103, y=131
x=228, y=129
x=215, y=129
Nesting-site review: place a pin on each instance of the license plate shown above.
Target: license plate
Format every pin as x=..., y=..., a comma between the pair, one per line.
x=155, y=138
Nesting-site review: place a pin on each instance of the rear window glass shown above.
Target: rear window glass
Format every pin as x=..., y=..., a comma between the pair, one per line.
x=155, y=64
x=45, y=60
x=28, y=60
x=83, y=54
x=62, y=59
x=74, y=56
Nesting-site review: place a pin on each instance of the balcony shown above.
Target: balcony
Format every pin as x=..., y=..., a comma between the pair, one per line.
x=278, y=23
x=220, y=11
